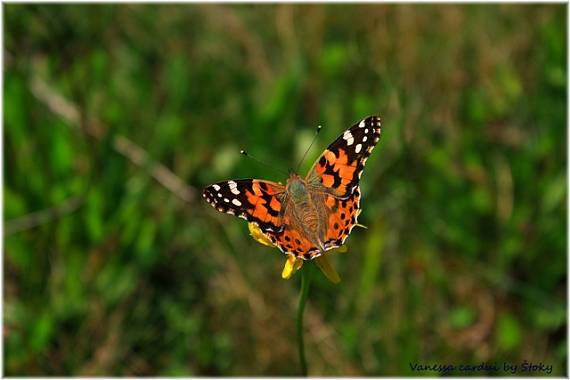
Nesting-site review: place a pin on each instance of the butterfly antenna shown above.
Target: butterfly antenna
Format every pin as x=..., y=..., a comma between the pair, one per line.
x=243, y=152
x=309, y=148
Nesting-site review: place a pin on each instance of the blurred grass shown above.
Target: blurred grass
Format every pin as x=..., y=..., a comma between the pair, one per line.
x=465, y=198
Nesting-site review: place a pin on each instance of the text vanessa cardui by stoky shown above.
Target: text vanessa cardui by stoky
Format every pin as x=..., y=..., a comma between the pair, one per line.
x=308, y=216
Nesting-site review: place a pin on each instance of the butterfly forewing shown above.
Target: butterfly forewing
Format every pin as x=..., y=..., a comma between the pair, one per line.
x=254, y=200
x=340, y=166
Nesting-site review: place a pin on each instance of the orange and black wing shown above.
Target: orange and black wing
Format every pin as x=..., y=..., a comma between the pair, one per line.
x=293, y=242
x=342, y=217
x=262, y=203
x=337, y=173
x=340, y=166
x=254, y=200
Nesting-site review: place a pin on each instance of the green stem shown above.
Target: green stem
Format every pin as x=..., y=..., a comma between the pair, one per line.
x=305, y=284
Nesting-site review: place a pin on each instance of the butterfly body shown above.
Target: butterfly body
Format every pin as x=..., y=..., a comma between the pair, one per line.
x=308, y=216
x=305, y=210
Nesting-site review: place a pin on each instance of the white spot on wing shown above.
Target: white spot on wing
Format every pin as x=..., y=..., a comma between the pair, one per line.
x=365, y=138
x=233, y=187
x=357, y=148
x=361, y=124
x=236, y=202
x=216, y=187
x=348, y=137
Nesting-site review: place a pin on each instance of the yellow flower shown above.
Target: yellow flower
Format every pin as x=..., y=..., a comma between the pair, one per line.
x=293, y=264
x=259, y=236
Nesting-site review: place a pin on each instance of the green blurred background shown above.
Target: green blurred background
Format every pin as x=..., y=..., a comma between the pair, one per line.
x=112, y=266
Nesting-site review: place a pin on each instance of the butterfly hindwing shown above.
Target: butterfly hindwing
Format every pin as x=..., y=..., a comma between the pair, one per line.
x=291, y=241
x=254, y=200
x=340, y=166
x=342, y=217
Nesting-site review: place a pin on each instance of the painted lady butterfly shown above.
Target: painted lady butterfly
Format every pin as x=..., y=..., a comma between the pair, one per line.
x=310, y=215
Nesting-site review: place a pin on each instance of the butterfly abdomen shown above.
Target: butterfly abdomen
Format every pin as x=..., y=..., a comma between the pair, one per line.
x=308, y=216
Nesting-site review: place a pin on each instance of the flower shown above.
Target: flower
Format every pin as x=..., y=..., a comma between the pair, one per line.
x=293, y=264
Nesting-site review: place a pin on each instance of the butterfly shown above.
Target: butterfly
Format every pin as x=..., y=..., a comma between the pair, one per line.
x=307, y=216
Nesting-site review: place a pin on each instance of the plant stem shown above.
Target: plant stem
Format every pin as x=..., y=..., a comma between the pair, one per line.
x=305, y=283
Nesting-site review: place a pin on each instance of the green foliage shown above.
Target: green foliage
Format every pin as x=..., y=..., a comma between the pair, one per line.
x=465, y=198
x=461, y=318
x=508, y=332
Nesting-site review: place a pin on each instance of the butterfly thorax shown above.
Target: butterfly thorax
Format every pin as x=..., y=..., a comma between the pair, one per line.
x=297, y=189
